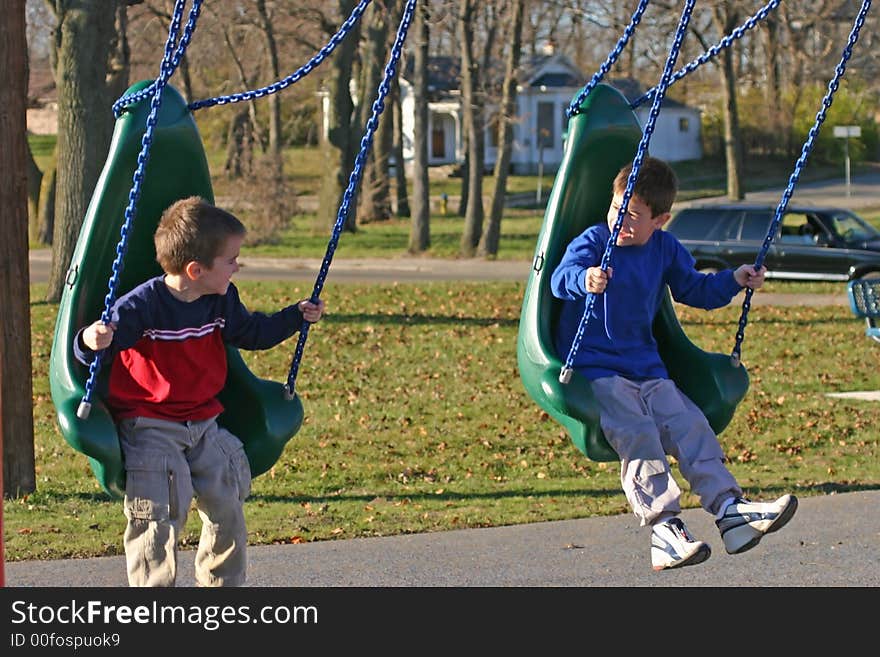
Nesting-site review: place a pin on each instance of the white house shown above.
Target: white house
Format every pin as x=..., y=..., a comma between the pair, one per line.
x=548, y=84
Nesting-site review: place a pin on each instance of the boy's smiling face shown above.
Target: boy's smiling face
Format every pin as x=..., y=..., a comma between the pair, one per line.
x=215, y=280
x=638, y=222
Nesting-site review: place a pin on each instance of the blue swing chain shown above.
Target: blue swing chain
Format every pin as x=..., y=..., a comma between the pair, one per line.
x=170, y=63
x=165, y=70
x=840, y=69
x=760, y=15
x=180, y=50
x=350, y=191
x=575, y=107
x=566, y=372
x=294, y=77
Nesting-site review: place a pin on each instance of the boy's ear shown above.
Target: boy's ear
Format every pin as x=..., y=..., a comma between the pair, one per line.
x=661, y=219
x=193, y=270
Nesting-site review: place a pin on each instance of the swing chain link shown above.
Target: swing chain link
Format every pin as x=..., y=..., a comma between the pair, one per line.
x=575, y=106
x=760, y=15
x=294, y=77
x=173, y=63
x=564, y=376
x=165, y=70
x=348, y=197
x=839, y=70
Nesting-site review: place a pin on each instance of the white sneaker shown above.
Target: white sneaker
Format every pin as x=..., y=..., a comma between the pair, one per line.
x=672, y=546
x=744, y=523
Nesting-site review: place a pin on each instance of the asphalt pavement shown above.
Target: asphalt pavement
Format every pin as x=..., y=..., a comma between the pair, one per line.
x=832, y=541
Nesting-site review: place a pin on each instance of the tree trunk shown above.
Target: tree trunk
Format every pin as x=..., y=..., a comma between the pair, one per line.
x=403, y=209
x=727, y=19
x=119, y=63
x=254, y=129
x=375, y=196
x=420, y=231
x=274, y=101
x=85, y=122
x=16, y=384
x=339, y=149
x=471, y=100
x=46, y=207
x=492, y=234
x=773, y=90
x=239, y=145
x=34, y=180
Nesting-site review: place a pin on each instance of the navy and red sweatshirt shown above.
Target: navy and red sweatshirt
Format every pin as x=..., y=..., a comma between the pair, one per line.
x=168, y=358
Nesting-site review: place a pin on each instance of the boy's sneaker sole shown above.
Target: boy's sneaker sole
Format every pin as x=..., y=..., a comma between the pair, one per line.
x=702, y=553
x=752, y=536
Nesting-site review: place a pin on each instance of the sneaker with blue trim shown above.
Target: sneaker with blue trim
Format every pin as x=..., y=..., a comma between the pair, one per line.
x=745, y=523
x=672, y=546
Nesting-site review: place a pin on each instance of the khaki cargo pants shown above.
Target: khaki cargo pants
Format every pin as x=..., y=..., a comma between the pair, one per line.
x=646, y=420
x=166, y=464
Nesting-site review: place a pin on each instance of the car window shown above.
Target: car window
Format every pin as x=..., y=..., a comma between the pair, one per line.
x=852, y=228
x=796, y=228
x=755, y=225
x=705, y=224
x=691, y=224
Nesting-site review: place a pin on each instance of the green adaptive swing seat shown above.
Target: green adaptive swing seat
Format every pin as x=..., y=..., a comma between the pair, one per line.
x=256, y=410
x=602, y=139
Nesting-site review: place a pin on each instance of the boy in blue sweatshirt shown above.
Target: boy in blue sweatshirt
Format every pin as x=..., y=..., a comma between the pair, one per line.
x=643, y=415
x=165, y=345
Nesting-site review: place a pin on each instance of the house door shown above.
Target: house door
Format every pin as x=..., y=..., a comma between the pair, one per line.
x=438, y=143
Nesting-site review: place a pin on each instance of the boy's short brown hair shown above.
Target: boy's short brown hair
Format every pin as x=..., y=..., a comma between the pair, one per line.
x=192, y=229
x=656, y=184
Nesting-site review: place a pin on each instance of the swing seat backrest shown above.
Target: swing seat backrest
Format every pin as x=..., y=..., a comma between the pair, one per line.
x=601, y=139
x=864, y=301
x=256, y=410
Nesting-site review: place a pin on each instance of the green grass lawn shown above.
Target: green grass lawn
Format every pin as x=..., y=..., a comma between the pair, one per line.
x=416, y=421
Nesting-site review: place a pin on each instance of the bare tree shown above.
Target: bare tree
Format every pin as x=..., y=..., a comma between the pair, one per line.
x=274, y=101
x=726, y=16
x=473, y=118
x=375, y=196
x=340, y=146
x=161, y=9
x=491, y=235
x=420, y=230
x=84, y=37
x=402, y=209
x=16, y=385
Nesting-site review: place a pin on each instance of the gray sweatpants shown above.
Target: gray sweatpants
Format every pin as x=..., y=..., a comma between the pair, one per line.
x=646, y=420
x=166, y=463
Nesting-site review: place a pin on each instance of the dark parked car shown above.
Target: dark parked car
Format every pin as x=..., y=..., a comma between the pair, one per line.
x=811, y=243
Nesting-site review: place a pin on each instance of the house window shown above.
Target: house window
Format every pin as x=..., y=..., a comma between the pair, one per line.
x=438, y=143
x=683, y=124
x=546, y=114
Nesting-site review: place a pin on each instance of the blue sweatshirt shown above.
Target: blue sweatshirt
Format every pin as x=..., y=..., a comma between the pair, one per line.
x=168, y=359
x=618, y=339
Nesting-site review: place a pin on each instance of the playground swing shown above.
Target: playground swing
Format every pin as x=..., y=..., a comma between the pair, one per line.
x=167, y=162
x=604, y=135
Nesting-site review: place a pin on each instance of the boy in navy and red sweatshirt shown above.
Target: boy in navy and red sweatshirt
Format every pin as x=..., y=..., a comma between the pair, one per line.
x=165, y=344
x=643, y=415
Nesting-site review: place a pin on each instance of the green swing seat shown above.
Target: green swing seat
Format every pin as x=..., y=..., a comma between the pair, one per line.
x=256, y=410
x=601, y=139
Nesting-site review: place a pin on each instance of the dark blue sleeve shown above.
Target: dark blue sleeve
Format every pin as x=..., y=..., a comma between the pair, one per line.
x=568, y=279
x=694, y=288
x=256, y=330
x=130, y=315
